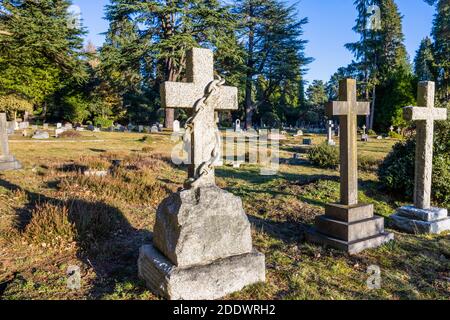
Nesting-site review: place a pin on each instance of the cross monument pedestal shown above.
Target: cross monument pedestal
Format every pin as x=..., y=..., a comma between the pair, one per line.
x=349, y=226
x=202, y=246
x=422, y=217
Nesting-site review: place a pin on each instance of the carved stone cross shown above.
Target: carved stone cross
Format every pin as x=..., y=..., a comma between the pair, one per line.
x=424, y=116
x=199, y=74
x=348, y=109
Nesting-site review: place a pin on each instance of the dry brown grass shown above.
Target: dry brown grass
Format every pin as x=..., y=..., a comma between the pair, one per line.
x=50, y=225
x=70, y=134
x=102, y=222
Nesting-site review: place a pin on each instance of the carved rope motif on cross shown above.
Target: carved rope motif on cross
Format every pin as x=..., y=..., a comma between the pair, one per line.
x=205, y=95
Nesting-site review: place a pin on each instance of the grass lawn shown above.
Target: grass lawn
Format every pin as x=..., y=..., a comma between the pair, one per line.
x=52, y=216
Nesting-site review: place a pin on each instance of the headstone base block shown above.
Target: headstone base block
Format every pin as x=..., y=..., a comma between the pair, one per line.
x=202, y=282
x=353, y=247
x=421, y=221
x=10, y=165
x=431, y=214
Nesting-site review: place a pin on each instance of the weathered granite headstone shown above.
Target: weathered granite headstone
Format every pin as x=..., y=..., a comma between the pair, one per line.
x=299, y=133
x=140, y=128
x=176, y=126
x=349, y=226
x=7, y=161
x=58, y=125
x=237, y=126
x=422, y=217
x=154, y=129
x=330, y=126
x=202, y=246
x=59, y=131
x=10, y=127
x=45, y=126
x=41, y=135
x=24, y=125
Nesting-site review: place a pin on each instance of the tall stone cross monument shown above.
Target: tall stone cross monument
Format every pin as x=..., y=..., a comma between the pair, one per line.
x=7, y=161
x=204, y=96
x=349, y=226
x=202, y=246
x=422, y=218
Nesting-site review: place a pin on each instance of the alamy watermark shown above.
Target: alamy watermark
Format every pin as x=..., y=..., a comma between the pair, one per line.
x=252, y=147
x=73, y=17
x=373, y=21
x=374, y=279
x=73, y=278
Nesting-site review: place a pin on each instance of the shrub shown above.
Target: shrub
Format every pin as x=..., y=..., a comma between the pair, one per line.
x=395, y=135
x=371, y=132
x=368, y=163
x=103, y=122
x=396, y=172
x=49, y=224
x=324, y=156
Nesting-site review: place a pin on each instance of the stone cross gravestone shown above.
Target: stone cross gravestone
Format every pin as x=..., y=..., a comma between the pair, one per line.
x=7, y=161
x=422, y=217
x=202, y=246
x=364, y=136
x=330, y=126
x=349, y=226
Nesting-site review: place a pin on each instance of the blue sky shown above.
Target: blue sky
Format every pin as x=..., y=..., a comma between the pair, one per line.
x=329, y=28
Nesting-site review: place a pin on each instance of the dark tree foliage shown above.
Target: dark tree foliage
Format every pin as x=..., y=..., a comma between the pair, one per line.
x=40, y=50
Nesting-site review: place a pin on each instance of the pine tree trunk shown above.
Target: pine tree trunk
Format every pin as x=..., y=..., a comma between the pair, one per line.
x=170, y=118
x=249, y=80
x=372, y=109
x=169, y=69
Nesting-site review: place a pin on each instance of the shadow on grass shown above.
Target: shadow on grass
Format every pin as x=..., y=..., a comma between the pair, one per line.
x=286, y=231
x=97, y=150
x=105, y=239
